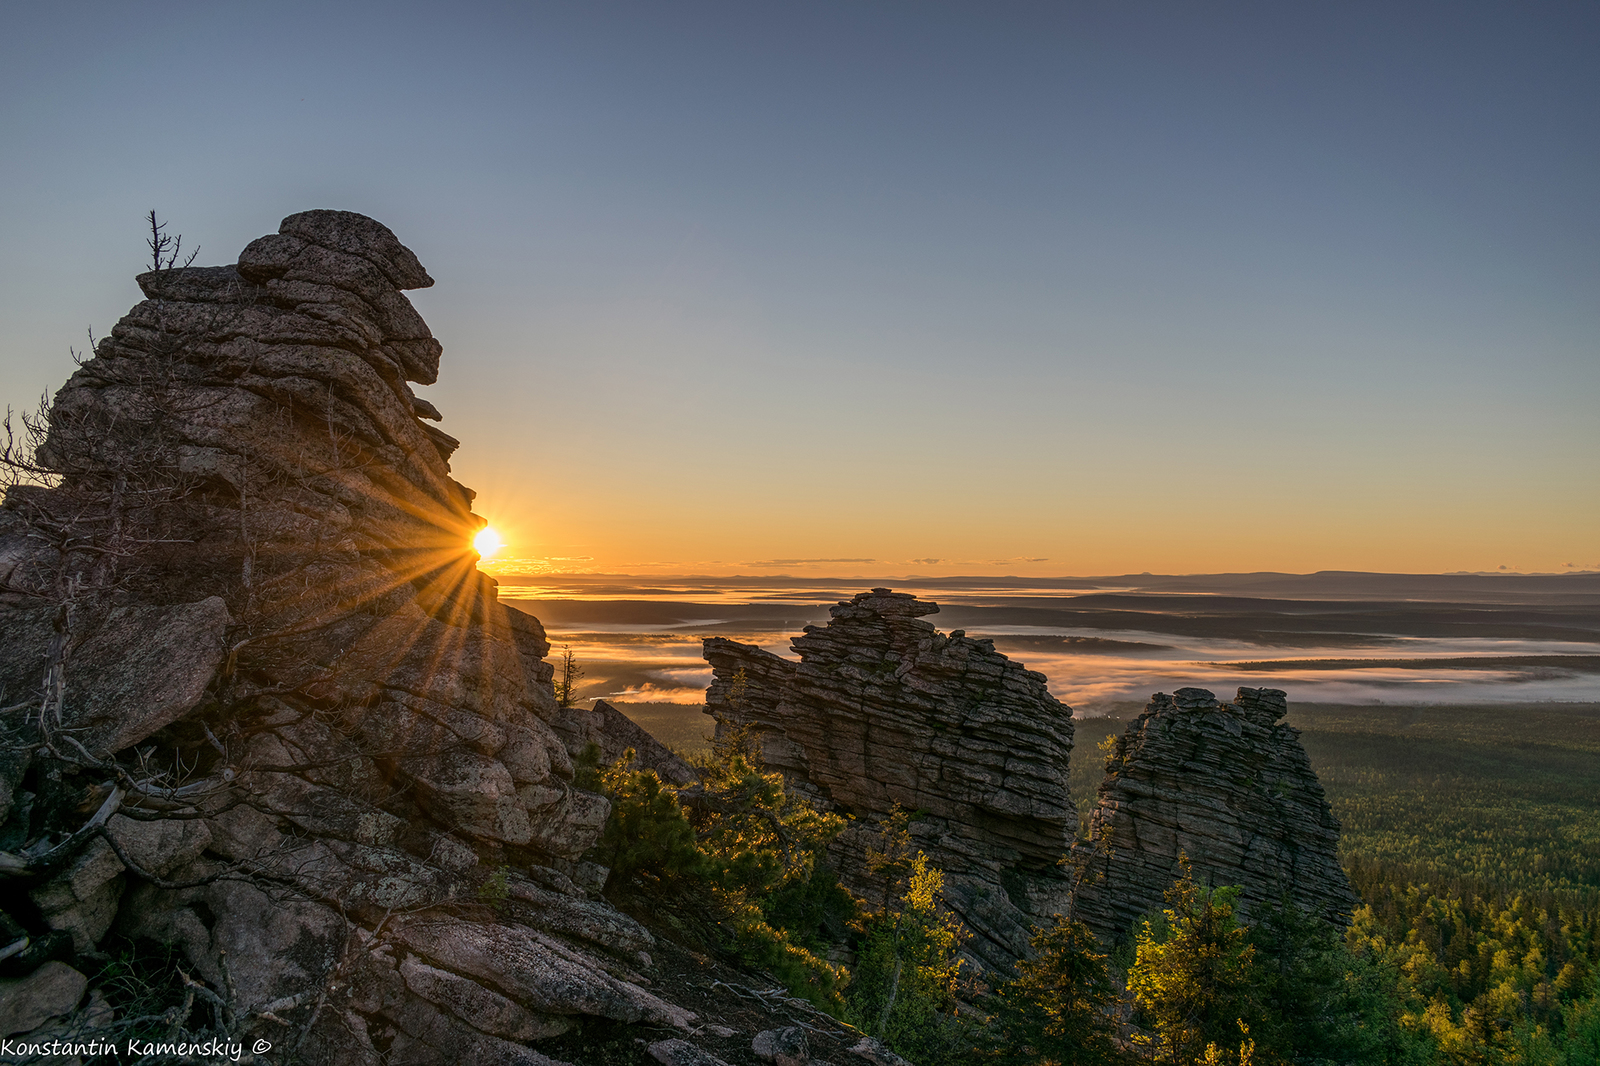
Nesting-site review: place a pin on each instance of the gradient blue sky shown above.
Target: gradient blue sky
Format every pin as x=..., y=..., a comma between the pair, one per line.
x=1029, y=288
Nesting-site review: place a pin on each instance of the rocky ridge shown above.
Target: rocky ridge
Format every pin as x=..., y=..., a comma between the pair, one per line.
x=614, y=735
x=881, y=710
x=1226, y=786
x=260, y=706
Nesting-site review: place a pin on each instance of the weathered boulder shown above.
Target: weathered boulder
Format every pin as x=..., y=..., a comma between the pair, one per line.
x=782, y=1047
x=423, y=1036
x=470, y=792
x=882, y=710
x=276, y=949
x=1226, y=786
x=873, y=1050
x=135, y=670
x=50, y=991
x=159, y=846
x=584, y=920
x=571, y=825
x=483, y=1009
x=676, y=1052
x=533, y=970
x=82, y=899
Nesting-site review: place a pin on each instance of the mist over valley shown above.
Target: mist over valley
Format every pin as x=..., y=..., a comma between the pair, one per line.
x=1105, y=642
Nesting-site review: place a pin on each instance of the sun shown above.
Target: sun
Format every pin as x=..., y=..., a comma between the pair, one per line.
x=487, y=542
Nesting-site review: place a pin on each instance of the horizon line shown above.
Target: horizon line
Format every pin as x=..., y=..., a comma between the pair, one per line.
x=502, y=577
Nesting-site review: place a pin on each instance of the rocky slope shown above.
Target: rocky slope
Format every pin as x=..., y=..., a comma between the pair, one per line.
x=259, y=706
x=1229, y=787
x=883, y=710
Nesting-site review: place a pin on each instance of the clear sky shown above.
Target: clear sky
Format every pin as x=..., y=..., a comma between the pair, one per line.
x=1051, y=288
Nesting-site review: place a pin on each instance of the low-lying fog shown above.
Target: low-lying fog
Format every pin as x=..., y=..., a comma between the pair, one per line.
x=1335, y=638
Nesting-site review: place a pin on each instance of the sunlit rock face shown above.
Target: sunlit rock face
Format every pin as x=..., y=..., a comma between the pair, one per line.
x=252, y=573
x=881, y=709
x=1225, y=785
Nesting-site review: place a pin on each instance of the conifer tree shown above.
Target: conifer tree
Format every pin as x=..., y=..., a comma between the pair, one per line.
x=909, y=973
x=567, y=684
x=1060, y=1008
x=1194, y=974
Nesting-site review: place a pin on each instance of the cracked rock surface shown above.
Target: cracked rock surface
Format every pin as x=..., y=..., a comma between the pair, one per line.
x=1227, y=786
x=881, y=710
x=243, y=623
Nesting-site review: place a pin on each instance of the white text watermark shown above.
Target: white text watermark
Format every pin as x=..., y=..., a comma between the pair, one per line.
x=216, y=1050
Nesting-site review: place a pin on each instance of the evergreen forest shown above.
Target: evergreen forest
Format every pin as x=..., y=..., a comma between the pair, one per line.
x=1471, y=835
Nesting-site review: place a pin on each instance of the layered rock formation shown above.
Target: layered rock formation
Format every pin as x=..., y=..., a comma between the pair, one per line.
x=1229, y=787
x=881, y=710
x=258, y=702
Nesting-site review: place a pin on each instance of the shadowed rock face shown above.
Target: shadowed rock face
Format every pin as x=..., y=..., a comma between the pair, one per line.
x=1226, y=785
x=881, y=709
x=253, y=556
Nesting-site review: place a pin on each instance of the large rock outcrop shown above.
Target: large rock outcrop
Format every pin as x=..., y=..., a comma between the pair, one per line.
x=259, y=703
x=881, y=710
x=1225, y=785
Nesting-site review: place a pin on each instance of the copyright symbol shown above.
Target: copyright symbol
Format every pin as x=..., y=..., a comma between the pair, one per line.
x=262, y=1047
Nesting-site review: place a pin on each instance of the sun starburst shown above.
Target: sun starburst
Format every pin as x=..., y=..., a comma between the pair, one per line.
x=487, y=542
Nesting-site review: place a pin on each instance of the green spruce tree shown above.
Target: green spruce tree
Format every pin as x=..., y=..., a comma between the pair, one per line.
x=1195, y=975
x=1060, y=1008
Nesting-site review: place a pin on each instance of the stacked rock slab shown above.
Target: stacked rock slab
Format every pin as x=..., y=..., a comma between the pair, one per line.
x=880, y=711
x=242, y=623
x=1229, y=787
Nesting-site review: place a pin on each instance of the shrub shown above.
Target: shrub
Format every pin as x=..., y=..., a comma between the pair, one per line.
x=907, y=978
x=739, y=841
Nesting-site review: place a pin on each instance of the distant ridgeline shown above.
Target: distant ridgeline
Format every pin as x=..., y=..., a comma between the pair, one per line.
x=881, y=712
